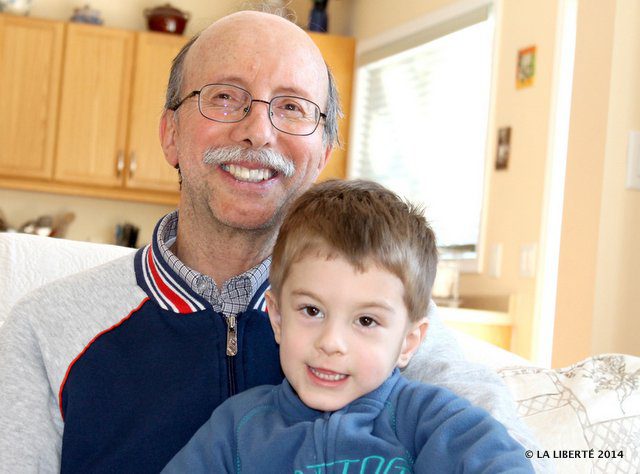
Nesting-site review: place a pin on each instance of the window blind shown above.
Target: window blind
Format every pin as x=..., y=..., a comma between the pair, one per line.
x=421, y=124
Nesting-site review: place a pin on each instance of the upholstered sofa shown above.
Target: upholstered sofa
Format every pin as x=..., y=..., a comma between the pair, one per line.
x=586, y=416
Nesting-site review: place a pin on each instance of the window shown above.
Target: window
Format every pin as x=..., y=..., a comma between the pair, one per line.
x=421, y=124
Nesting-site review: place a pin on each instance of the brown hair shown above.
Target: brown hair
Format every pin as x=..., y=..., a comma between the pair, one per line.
x=364, y=223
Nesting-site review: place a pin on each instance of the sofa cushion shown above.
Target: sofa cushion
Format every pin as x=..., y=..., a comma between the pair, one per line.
x=586, y=416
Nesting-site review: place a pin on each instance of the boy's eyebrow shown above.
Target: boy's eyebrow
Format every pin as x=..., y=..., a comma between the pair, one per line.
x=363, y=305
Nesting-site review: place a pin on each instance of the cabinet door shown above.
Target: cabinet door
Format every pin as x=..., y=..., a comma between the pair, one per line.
x=94, y=105
x=339, y=53
x=30, y=63
x=147, y=168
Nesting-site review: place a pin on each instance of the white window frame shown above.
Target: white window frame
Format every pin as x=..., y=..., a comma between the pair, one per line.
x=408, y=33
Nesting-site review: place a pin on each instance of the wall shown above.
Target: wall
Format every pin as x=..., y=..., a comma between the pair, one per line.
x=96, y=218
x=129, y=14
x=616, y=323
x=514, y=204
x=598, y=297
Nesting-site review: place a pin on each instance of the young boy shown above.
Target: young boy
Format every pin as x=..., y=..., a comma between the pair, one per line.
x=351, y=279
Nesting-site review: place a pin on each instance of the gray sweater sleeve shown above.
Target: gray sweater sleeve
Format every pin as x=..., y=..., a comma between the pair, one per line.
x=30, y=423
x=440, y=361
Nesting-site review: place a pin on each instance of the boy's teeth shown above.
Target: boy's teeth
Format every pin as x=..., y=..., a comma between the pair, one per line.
x=330, y=377
x=245, y=174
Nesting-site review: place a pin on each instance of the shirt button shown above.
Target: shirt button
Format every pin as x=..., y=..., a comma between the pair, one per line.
x=201, y=285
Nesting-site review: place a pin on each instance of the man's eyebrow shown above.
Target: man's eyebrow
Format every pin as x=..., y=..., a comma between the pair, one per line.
x=283, y=90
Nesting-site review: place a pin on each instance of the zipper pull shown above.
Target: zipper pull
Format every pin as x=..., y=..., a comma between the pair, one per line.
x=232, y=336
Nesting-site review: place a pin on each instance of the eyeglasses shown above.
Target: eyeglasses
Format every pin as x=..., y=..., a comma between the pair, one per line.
x=228, y=104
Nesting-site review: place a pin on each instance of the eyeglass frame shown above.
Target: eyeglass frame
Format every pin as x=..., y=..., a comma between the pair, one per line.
x=249, y=107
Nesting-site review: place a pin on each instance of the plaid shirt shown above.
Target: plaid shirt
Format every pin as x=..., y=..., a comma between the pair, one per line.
x=233, y=296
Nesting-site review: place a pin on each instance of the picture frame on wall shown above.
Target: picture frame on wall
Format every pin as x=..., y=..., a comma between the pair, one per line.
x=503, y=148
x=526, y=67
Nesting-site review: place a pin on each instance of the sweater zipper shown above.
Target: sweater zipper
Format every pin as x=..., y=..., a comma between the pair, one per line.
x=232, y=350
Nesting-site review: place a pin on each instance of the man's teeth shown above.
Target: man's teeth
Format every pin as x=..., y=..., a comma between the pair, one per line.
x=245, y=174
x=330, y=377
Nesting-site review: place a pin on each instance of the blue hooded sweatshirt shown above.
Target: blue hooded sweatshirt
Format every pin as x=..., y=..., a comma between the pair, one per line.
x=401, y=427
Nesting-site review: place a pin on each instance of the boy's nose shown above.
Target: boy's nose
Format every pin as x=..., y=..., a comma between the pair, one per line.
x=332, y=340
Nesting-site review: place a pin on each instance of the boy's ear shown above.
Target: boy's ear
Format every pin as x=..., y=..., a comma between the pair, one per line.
x=274, y=315
x=412, y=341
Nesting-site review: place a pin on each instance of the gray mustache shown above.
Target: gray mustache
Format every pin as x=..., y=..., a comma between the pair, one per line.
x=265, y=157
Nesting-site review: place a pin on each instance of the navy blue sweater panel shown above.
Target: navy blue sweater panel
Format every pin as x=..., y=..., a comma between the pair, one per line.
x=141, y=390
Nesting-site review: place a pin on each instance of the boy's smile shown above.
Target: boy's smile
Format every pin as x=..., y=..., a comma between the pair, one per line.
x=341, y=331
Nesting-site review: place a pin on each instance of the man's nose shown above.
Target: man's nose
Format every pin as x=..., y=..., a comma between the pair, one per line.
x=256, y=127
x=332, y=339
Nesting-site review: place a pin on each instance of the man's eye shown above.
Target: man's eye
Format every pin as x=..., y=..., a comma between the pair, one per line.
x=366, y=321
x=292, y=108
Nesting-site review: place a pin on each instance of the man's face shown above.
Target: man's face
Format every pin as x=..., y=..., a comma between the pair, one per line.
x=266, y=62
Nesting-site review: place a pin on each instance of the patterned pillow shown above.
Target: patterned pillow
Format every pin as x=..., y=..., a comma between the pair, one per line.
x=586, y=416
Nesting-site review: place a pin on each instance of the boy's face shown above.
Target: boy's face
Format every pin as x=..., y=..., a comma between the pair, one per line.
x=341, y=332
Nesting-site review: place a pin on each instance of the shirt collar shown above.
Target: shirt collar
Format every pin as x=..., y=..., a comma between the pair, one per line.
x=179, y=288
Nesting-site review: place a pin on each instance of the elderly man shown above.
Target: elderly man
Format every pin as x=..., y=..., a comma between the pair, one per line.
x=114, y=369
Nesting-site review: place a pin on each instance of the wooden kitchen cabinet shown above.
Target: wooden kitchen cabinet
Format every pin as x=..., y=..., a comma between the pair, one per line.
x=146, y=166
x=113, y=91
x=94, y=105
x=83, y=104
x=30, y=64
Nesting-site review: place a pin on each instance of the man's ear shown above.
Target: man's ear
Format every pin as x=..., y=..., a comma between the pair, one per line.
x=274, y=315
x=168, y=137
x=412, y=341
x=325, y=158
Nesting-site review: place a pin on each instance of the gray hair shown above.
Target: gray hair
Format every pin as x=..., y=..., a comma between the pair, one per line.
x=333, y=110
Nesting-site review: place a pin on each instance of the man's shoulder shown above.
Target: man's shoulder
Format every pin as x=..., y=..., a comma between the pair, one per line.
x=409, y=388
x=89, y=283
x=110, y=288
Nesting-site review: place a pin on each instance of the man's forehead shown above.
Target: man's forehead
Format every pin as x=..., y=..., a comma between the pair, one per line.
x=250, y=45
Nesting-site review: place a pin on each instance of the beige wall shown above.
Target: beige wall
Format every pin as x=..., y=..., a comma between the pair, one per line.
x=616, y=325
x=96, y=218
x=129, y=14
x=514, y=204
x=598, y=294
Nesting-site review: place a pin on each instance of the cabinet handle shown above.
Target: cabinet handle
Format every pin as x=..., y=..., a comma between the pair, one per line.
x=133, y=164
x=120, y=163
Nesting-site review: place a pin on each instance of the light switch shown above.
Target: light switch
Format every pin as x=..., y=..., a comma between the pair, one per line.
x=633, y=160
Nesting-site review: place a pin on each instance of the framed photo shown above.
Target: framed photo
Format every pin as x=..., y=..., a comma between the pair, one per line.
x=503, y=149
x=526, y=69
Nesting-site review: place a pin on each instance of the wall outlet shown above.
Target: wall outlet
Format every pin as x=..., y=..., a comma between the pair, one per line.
x=495, y=261
x=633, y=160
x=528, y=260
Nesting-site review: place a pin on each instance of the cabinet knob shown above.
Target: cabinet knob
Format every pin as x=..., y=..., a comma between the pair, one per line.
x=120, y=163
x=133, y=164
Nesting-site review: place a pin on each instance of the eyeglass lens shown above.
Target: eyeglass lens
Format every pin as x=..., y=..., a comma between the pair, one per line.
x=289, y=114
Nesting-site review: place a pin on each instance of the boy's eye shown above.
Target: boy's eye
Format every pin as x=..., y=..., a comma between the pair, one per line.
x=366, y=321
x=311, y=311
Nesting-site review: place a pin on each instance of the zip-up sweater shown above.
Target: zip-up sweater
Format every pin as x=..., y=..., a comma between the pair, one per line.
x=115, y=368
x=401, y=427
